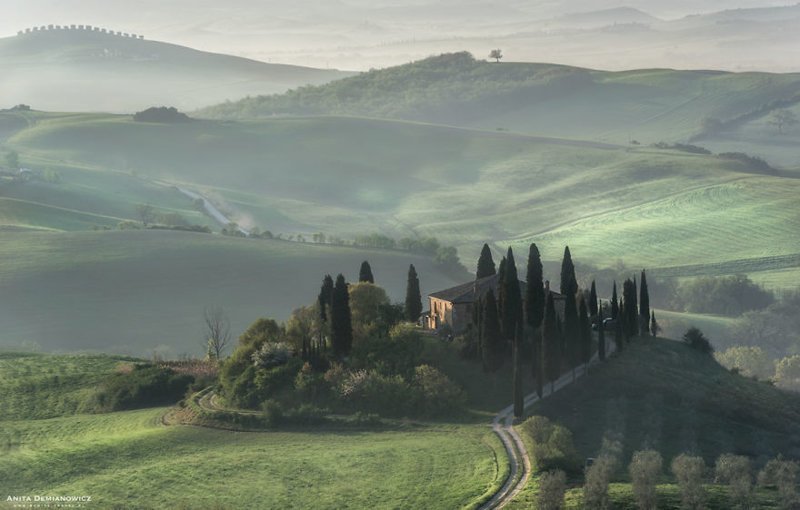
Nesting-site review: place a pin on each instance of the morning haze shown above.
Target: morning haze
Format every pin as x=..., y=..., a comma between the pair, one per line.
x=373, y=254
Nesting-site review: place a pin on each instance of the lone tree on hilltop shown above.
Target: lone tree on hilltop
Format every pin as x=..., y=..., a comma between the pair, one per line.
x=413, y=298
x=485, y=263
x=217, y=331
x=341, y=321
x=365, y=274
x=147, y=213
x=496, y=55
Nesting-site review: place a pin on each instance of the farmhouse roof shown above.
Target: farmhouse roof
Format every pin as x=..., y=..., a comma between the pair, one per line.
x=466, y=292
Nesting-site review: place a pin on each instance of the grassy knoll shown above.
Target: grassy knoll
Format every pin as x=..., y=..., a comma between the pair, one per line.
x=139, y=291
x=684, y=214
x=131, y=460
x=544, y=99
x=663, y=395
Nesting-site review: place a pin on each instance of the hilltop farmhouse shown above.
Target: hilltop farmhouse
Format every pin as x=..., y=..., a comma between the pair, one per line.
x=453, y=307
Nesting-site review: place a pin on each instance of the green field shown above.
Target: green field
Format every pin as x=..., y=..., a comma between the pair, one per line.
x=137, y=292
x=131, y=460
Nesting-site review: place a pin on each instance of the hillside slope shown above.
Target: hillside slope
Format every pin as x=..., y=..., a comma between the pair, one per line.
x=136, y=292
x=82, y=70
x=649, y=105
x=347, y=176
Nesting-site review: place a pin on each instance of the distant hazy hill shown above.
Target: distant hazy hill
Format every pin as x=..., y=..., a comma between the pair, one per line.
x=649, y=105
x=81, y=70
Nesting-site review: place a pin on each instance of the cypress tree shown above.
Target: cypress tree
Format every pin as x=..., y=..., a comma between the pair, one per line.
x=614, y=302
x=644, y=306
x=630, y=317
x=341, y=322
x=654, y=327
x=593, y=300
x=485, y=263
x=511, y=297
x=601, y=334
x=492, y=346
x=501, y=282
x=534, y=308
x=551, y=355
x=325, y=301
x=572, y=334
x=519, y=397
x=413, y=298
x=619, y=330
x=585, y=333
x=365, y=274
x=569, y=284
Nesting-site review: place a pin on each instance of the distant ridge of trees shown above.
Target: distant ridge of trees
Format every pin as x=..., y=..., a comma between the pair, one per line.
x=163, y=114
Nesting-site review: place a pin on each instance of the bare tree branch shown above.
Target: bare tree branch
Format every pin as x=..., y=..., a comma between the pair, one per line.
x=217, y=331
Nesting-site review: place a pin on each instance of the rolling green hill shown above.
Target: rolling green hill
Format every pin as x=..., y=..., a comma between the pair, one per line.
x=82, y=70
x=663, y=395
x=681, y=214
x=131, y=459
x=139, y=292
x=647, y=105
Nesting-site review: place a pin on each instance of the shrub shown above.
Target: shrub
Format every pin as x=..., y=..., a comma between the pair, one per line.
x=272, y=413
x=144, y=386
x=781, y=474
x=735, y=471
x=437, y=392
x=689, y=471
x=695, y=339
x=598, y=476
x=398, y=354
x=272, y=355
x=371, y=391
x=552, y=486
x=552, y=445
x=645, y=469
x=727, y=295
x=271, y=381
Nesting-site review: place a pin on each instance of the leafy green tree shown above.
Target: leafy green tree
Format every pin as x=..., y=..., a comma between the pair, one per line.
x=749, y=361
x=569, y=283
x=645, y=469
x=552, y=487
x=787, y=373
x=593, y=300
x=644, y=306
x=496, y=54
x=595, y=489
x=782, y=474
x=689, y=471
x=736, y=472
x=413, y=304
x=365, y=273
x=485, y=263
x=695, y=339
x=551, y=352
x=782, y=119
x=534, y=311
x=341, y=321
x=492, y=347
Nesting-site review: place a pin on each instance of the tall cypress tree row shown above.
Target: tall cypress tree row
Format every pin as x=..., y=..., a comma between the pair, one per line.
x=492, y=347
x=534, y=308
x=551, y=355
x=485, y=263
x=593, y=300
x=365, y=273
x=585, y=333
x=644, y=306
x=614, y=302
x=601, y=334
x=341, y=322
x=572, y=335
x=569, y=283
x=501, y=283
x=519, y=397
x=413, y=298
